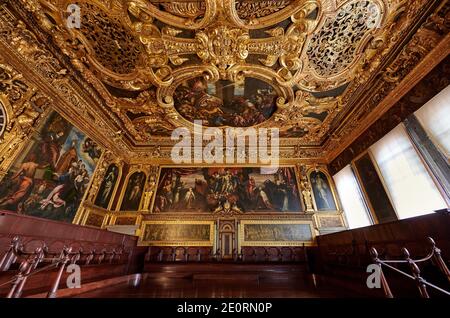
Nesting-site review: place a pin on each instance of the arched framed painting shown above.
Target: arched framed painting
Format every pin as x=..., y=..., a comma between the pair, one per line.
x=107, y=187
x=131, y=198
x=323, y=194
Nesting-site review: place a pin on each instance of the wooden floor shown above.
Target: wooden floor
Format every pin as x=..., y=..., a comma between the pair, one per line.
x=185, y=288
x=221, y=281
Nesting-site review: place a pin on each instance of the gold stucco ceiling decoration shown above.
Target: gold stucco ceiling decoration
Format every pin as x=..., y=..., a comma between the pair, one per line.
x=162, y=64
x=332, y=49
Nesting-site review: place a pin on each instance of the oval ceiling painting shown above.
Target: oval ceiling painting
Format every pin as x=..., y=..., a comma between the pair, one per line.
x=226, y=103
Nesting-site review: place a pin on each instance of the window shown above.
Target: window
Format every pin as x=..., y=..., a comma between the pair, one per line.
x=435, y=118
x=351, y=198
x=411, y=188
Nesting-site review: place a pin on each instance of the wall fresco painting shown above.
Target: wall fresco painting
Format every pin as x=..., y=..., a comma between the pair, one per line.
x=244, y=189
x=163, y=233
x=277, y=232
x=51, y=177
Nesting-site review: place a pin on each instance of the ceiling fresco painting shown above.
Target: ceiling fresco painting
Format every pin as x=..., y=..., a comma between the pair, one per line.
x=298, y=65
x=255, y=62
x=225, y=102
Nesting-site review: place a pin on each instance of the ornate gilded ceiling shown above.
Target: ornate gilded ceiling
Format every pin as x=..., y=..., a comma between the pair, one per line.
x=300, y=65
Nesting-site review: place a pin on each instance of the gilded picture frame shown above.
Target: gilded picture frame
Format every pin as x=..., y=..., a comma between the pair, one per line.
x=366, y=194
x=332, y=189
x=327, y=220
x=307, y=242
x=294, y=168
x=115, y=187
x=124, y=189
x=176, y=226
x=124, y=218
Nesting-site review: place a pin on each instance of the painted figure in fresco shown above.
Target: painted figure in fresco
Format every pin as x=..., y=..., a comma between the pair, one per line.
x=177, y=186
x=24, y=180
x=251, y=187
x=285, y=205
x=65, y=190
x=68, y=189
x=54, y=198
x=81, y=180
x=262, y=200
x=189, y=198
x=92, y=149
x=160, y=203
x=168, y=192
x=323, y=188
x=109, y=182
x=226, y=183
x=134, y=191
x=66, y=159
x=51, y=147
x=36, y=196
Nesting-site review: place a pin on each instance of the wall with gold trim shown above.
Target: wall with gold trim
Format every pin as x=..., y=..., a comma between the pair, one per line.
x=320, y=221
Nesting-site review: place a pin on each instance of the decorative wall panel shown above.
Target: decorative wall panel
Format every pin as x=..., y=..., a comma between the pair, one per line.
x=275, y=233
x=172, y=233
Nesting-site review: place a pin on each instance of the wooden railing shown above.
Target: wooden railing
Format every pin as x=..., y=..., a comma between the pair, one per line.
x=41, y=259
x=434, y=257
